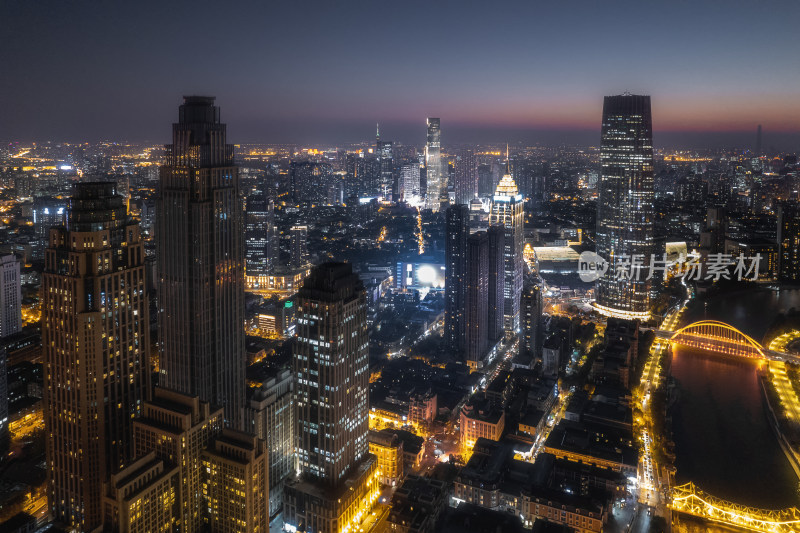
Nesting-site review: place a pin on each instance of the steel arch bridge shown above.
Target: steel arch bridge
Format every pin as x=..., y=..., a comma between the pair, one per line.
x=718, y=337
x=691, y=500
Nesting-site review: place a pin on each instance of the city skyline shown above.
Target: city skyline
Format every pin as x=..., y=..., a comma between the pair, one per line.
x=506, y=72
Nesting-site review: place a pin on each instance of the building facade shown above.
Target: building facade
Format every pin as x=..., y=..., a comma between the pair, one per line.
x=200, y=250
x=95, y=342
x=625, y=206
x=261, y=246
x=508, y=212
x=456, y=234
x=789, y=243
x=435, y=179
x=10, y=296
x=476, y=312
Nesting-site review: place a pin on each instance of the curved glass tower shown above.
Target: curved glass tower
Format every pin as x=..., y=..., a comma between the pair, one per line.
x=625, y=207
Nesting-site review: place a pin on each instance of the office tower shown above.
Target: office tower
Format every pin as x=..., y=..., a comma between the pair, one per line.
x=433, y=164
x=47, y=212
x=271, y=413
x=465, y=176
x=10, y=296
x=496, y=289
x=309, y=182
x=235, y=484
x=5, y=434
x=260, y=241
x=95, y=344
x=758, y=140
x=456, y=233
x=178, y=428
x=485, y=183
x=142, y=497
x=337, y=478
x=476, y=312
x=200, y=250
x=531, y=309
x=507, y=211
x=625, y=206
x=298, y=246
x=409, y=178
x=386, y=165
x=789, y=243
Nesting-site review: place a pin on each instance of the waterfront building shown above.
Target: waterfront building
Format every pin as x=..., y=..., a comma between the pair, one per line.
x=200, y=251
x=95, y=344
x=625, y=206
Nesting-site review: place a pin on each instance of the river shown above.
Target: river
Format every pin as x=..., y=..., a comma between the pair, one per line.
x=723, y=439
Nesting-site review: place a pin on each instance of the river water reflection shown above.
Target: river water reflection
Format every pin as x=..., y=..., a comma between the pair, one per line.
x=722, y=435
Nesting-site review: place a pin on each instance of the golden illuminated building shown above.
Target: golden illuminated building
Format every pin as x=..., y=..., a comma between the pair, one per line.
x=178, y=428
x=388, y=449
x=95, y=343
x=235, y=484
x=479, y=419
x=142, y=497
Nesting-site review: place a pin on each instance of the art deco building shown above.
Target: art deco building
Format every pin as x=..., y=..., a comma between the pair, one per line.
x=200, y=258
x=177, y=428
x=625, y=206
x=95, y=342
x=235, y=484
x=456, y=233
x=436, y=181
x=337, y=478
x=507, y=211
x=142, y=497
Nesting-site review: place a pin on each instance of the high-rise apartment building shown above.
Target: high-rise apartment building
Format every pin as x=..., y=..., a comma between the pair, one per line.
x=5, y=434
x=496, y=289
x=260, y=238
x=465, y=176
x=476, y=312
x=789, y=243
x=409, y=179
x=337, y=478
x=95, y=341
x=10, y=296
x=200, y=250
x=271, y=413
x=456, y=233
x=531, y=310
x=435, y=179
x=178, y=428
x=235, y=484
x=625, y=206
x=298, y=246
x=507, y=211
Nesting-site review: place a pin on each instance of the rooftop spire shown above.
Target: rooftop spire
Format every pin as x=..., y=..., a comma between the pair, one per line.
x=508, y=162
x=377, y=131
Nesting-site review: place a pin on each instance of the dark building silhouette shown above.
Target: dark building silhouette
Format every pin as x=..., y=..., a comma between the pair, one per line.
x=476, y=313
x=789, y=243
x=456, y=234
x=200, y=251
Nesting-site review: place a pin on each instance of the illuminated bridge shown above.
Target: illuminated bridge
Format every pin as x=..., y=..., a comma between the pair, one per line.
x=722, y=338
x=691, y=500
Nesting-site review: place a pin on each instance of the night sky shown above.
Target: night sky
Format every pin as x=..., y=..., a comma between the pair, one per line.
x=328, y=71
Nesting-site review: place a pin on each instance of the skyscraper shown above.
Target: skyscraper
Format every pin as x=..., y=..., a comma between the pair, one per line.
x=789, y=243
x=456, y=233
x=409, y=179
x=337, y=476
x=433, y=163
x=465, y=176
x=298, y=246
x=507, y=211
x=260, y=238
x=625, y=206
x=531, y=310
x=200, y=250
x=95, y=341
x=476, y=312
x=10, y=296
x=496, y=290
x=386, y=164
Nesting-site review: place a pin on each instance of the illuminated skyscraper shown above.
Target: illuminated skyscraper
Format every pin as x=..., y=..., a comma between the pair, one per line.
x=455, y=286
x=200, y=251
x=789, y=243
x=336, y=475
x=260, y=238
x=386, y=165
x=625, y=206
x=436, y=181
x=10, y=296
x=95, y=342
x=465, y=176
x=409, y=179
x=507, y=211
x=476, y=299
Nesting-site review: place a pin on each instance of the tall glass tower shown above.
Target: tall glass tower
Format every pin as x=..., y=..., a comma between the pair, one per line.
x=433, y=164
x=508, y=212
x=200, y=247
x=625, y=206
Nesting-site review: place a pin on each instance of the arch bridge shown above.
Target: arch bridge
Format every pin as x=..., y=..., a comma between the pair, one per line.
x=691, y=500
x=718, y=337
